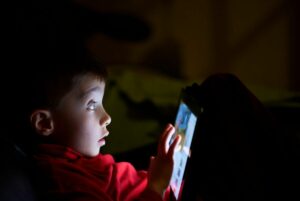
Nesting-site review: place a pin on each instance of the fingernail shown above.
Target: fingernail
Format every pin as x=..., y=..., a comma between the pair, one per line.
x=169, y=126
x=171, y=129
x=178, y=148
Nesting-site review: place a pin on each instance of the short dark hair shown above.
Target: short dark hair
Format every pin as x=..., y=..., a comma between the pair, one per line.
x=49, y=83
x=41, y=86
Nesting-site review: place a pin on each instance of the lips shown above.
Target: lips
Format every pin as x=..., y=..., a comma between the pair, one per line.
x=101, y=142
x=104, y=136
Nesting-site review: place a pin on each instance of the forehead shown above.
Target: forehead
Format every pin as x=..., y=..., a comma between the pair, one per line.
x=84, y=85
x=87, y=83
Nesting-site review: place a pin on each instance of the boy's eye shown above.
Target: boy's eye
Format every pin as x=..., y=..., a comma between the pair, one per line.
x=92, y=105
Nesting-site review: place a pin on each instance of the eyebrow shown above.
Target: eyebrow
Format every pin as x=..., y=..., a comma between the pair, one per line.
x=84, y=94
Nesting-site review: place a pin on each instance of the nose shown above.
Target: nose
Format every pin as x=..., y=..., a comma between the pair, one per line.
x=105, y=120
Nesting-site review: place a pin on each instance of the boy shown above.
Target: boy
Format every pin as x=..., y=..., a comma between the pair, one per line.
x=66, y=112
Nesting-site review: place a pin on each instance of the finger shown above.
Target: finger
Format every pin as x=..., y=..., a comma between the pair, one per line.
x=174, y=145
x=170, y=139
x=166, y=141
x=162, y=143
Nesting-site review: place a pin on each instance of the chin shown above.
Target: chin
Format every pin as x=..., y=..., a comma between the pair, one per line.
x=93, y=153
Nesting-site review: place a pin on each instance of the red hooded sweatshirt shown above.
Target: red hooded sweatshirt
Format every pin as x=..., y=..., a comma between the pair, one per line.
x=65, y=174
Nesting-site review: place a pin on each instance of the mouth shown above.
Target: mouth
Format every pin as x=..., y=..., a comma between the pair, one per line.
x=101, y=141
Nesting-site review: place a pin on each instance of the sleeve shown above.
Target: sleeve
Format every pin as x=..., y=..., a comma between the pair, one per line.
x=77, y=196
x=147, y=195
x=131, y=185
x=66, y=181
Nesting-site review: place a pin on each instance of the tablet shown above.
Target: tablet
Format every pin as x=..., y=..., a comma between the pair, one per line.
x=185, y=124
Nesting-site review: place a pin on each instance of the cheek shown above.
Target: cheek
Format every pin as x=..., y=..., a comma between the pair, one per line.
x=77, y=123
x=85, y=123
x=80, y=122
x=70, y=123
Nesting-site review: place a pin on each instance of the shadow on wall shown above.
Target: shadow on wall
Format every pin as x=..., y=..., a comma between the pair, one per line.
x=48, y=27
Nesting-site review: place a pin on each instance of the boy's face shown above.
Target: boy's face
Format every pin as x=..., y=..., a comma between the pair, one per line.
x=80, y=120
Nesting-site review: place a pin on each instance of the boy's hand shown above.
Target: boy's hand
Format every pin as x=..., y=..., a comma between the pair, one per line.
x=161, y=166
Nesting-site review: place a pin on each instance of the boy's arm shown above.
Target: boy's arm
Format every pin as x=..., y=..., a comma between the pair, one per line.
x=161, y=166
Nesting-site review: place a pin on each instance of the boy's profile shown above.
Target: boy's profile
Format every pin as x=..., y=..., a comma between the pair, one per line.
x=66, y=116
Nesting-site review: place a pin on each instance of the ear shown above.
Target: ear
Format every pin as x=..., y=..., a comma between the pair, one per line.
x=42, y=122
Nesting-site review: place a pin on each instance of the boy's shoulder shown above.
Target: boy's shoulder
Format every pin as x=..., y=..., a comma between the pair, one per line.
x=54, y=154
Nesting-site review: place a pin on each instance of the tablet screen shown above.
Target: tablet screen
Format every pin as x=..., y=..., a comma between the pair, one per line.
x=185, y=126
